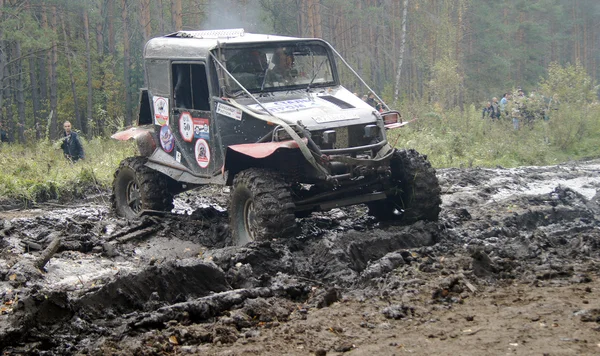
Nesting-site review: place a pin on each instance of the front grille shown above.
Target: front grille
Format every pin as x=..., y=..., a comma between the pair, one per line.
x=346, y=137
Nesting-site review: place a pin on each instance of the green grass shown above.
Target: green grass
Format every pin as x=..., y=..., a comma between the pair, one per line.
x=464, y=139
x=39, y=172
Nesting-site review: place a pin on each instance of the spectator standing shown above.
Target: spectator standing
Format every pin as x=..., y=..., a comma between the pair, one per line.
x=518, y=108
x=3, y=134
x=71, y=146
x=487, y=111
x=504, y=103
x=371, y=100
x=495, y=115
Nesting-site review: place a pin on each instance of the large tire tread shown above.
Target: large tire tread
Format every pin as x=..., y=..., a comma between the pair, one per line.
x=418, y=190
x=273, y=204
x=154, y=187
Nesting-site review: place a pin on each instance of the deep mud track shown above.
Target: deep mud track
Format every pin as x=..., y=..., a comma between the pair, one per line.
x=510, y=268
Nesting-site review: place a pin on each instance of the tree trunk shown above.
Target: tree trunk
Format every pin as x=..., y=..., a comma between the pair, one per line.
x=100, y=29
x=401, y=54
x=301, y=16
x=2, y=67
x=44, y=66
x=144, y=16
x=161, y=16
x=177, y=12
x=86, y=33
x=317, y=19
x=53, y=130
x=311, y=18
x=71, y=77
x=110, y=9
x=20, y=99
x=126, y=64
x=35, y=97
x=8, y=101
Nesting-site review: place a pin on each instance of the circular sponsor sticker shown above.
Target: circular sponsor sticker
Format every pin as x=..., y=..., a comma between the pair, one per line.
x=202, y=152
x=186, y=126
x=161, y=111
x=167, y=141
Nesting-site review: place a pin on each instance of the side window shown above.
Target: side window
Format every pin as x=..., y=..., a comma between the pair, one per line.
x=190, y=86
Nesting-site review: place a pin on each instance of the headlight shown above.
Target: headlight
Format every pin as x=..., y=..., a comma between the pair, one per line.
x=371, y=131
x=280, y=134
x=329, y=137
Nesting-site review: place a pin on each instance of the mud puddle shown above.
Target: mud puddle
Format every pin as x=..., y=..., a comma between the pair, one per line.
x=170, y=283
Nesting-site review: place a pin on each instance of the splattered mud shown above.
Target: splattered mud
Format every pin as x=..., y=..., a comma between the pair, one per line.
x=512, y=267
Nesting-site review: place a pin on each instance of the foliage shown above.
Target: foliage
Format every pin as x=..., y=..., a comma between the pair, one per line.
x=568, y=84
x=445, y=83
x=40, y=172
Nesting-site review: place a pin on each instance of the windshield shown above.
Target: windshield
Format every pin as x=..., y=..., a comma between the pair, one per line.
x=279, y=66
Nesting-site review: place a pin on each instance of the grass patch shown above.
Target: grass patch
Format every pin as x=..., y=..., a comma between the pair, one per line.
x=464, y=139
x=39, y=172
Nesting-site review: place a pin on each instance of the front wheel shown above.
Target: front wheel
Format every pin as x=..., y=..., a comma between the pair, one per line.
x=137, y=187
x=261, y=207
x=415, y=190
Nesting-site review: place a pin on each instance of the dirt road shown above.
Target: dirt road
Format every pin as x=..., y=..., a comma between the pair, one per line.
x=512, y=267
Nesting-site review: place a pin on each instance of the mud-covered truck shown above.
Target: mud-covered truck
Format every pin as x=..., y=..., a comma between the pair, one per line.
x=267, y=116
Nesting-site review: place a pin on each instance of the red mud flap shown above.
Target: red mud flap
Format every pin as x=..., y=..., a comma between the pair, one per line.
x=132, y=132
x=142, y=135
x=262, y=150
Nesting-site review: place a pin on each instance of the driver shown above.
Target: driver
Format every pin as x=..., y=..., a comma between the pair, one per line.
x=283, y=70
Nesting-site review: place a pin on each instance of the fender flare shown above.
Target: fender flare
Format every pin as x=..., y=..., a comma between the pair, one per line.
x=143, y=136
x=242, y=156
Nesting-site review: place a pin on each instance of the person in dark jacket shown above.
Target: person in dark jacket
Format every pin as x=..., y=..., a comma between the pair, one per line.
x=487, y=111
x=371, y=100
x=71, y=145
x=3, y=134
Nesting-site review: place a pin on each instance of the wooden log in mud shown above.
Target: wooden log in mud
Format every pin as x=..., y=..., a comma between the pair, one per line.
x=49, y=251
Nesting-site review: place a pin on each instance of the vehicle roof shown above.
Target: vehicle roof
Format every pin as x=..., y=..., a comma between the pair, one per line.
x=197, y=44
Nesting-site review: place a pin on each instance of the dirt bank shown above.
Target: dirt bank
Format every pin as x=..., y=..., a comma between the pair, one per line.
x=510, y=268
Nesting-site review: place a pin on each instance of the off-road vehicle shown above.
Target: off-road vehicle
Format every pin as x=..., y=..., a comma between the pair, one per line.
x=266, y=115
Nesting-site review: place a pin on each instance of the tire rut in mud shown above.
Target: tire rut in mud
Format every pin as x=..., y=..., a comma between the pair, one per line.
x=480, y=240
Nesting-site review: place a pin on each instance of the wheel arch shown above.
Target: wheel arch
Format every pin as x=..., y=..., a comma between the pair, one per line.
x=269, y=155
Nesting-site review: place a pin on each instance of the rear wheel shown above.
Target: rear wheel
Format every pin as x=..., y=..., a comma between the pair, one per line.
x=261, y=207
x=415, y=192
x=137, y=188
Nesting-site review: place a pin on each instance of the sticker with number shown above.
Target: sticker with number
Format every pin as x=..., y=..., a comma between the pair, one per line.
x=186, y=126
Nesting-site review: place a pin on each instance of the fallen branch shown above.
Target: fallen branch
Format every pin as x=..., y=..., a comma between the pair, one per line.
x=138, y=234
x=213, y=305
x=48, y=252
x=142, y=225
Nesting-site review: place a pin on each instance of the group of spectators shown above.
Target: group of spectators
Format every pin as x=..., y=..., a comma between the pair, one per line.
x=518, y=107
x=370, y=99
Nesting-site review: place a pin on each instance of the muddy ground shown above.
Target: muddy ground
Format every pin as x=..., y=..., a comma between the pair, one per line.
x=512, y=267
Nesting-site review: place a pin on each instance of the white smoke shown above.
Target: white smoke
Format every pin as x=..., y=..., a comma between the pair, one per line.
x=226, y=14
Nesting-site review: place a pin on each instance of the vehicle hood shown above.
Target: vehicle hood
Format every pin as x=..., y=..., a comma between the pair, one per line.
x=318, y=110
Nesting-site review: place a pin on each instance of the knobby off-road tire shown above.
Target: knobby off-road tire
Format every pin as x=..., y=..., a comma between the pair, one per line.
x=415, y=190
x=137, y=187
x=261, y=207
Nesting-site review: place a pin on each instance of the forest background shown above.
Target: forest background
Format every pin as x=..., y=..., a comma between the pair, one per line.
x=436, y=60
